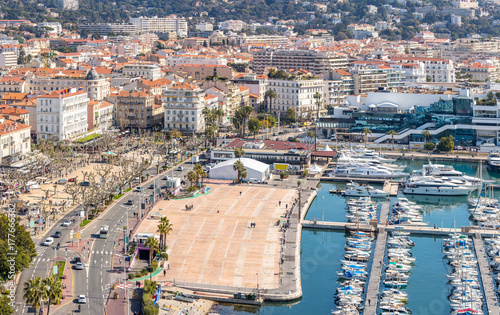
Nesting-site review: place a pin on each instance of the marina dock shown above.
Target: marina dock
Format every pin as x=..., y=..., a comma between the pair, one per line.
x=490, y=295
x=373, y=287
x=391, y=188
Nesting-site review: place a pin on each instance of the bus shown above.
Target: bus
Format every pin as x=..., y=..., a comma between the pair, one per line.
x=103, y=233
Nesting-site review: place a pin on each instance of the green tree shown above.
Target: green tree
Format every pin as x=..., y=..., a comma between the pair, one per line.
x=254, y=126
x=153, y=245
x=164, y=228
x=239, y=152
x=54, y=290
x=446, y=144
x=366, y=132
x=392, y=133
x=429, y=146
x=290, y=116
x=200, y=172
x=23, y=247
x=5, y=308
x=34, y=292
x=192, y=177
x=428, y=78
x=490, y=95
x=240, y=169
x=269, y=96
x=427, y=134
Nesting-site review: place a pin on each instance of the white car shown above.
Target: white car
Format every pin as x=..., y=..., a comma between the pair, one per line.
x=66, y=223
x=180, y=168
x=49, y=241
x=82, y=299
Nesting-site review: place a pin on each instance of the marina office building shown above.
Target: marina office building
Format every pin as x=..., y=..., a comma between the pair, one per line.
x=471, y=122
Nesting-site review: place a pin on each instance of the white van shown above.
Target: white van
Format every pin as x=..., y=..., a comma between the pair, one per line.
x=253, y=181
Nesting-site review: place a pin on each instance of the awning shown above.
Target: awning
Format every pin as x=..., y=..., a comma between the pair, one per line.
x=315, y=169
x=327, y=148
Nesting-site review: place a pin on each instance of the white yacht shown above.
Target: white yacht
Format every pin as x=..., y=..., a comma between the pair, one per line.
x=364, y=170
x=441, y=170
x=346, y=157
x=493, y=162
x=355, y=190
x=365, y=153
x=429, y=185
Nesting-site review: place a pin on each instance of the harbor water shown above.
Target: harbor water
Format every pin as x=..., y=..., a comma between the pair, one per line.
x=321, y=252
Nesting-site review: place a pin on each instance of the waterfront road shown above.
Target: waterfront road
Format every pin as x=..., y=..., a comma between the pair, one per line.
x=95, y=279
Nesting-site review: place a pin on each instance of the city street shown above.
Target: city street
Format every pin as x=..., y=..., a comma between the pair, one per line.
x=95, y=280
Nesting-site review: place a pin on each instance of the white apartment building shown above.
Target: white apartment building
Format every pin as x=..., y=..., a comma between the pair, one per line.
x=297, y=94
x=439, y=70
x=62, y=115
x=317, y=62
x=271, y=40
x=183, y=104
x=55, y=26
x=232, y=25
x=148, y=71
x=176, y=60
x=96, y=87
x=8, y=59
x=169, y=24
x=205, y=27
x=15, y=138
x=68, y=4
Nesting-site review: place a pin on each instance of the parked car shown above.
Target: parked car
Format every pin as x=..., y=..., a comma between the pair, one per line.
x=61, y=181
x=72, y=180
x=82, y=299
x=40, y=221
x=49, y=241
x=85, y=184
x=79, y=266
x=57, y=234
x=139, y=188
x=66, y=223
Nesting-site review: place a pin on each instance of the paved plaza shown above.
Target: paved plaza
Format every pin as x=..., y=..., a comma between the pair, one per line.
x=214, y=242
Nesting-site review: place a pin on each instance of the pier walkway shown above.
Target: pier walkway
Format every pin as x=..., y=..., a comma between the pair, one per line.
x=488, y=285
x=418, y=230
x=373, y=286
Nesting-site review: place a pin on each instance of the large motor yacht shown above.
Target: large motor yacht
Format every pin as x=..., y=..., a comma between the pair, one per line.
x=429, y=185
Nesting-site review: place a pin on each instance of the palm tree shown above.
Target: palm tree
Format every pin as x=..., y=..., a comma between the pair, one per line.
x=317, y=97
x=392, y=133
x=192, y=177
x=152, y=244
x=426, y=134
x=246, y=111
x=200, y=172
x=240, y=168
x=269, y=96
x=54, y=290
x=34, y=292
x=164, y=228
x=239, y=152
x=366, y=132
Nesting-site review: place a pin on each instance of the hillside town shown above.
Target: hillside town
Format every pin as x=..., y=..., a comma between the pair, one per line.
x=168, y=165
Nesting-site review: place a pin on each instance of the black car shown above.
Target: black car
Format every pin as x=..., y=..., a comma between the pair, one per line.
x=85, y=184
x=78, y=260
x=152, y=186
x=130, y=202
x=57, y=234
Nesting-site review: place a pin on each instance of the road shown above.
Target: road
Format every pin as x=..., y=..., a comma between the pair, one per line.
x=94, y=281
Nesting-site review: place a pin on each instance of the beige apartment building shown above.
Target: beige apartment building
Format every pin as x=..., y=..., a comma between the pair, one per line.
x=137, y=110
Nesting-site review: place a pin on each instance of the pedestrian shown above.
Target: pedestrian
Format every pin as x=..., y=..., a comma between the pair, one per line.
x=369, y=302
x=168, y=266
x=381, y=263
x=164, y=272
x=280, y=203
